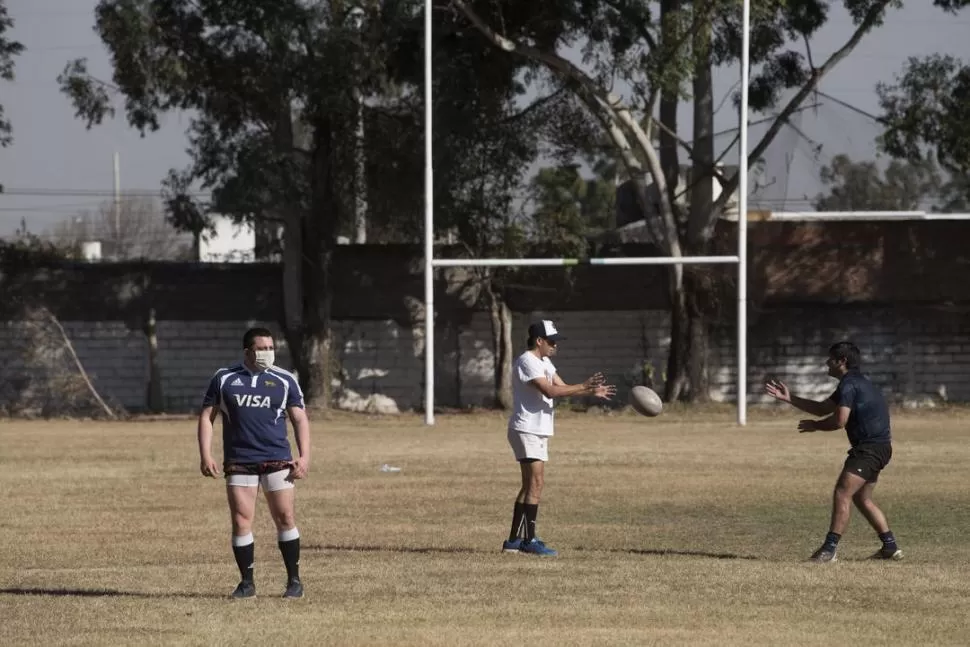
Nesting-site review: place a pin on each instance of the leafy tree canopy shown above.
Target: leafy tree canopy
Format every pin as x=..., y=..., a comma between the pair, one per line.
x=9, y=49
x=927, y=110
x=865, y=186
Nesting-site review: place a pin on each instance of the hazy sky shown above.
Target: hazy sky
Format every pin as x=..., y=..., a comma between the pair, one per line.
x=54, y=155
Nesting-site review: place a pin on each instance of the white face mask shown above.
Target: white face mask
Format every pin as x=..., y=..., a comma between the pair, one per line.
x=264, y=358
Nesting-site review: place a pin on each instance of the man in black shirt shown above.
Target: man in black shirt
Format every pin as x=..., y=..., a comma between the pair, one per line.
x=859, y=407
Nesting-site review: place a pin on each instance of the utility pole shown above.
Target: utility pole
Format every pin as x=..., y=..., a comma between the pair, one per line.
x=117, y=204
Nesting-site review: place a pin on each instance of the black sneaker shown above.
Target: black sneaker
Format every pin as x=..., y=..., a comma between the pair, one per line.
x=823, y=555
x=894, y=554
x=244, y=591
x=294, y=589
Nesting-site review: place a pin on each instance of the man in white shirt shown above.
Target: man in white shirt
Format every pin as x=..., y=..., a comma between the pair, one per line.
x=535, y=385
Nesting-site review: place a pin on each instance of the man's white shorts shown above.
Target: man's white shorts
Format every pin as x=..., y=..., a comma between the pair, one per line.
x=529, y=446
x=270, y=482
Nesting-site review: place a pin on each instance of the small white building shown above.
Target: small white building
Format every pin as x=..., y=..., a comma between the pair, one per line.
x=228, y=242
x=91, y=251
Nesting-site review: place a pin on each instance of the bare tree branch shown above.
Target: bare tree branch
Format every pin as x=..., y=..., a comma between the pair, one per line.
x=865, y=26
x=652, y=102
x=727, y=95
x=77, y=363
x=686, y=146
x=535, y=105
x=607, y=106
x=134, y=228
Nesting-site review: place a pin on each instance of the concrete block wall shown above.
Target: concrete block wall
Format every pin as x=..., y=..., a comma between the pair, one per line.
x=381, y=357
x=116, y=357
x=190, y=352
x=923, y=353
x=616, y=343
x=112, y=355
x=375, y=357
x=908, y=353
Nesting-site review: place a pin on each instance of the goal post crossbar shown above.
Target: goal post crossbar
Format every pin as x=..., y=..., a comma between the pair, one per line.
x=567, y=262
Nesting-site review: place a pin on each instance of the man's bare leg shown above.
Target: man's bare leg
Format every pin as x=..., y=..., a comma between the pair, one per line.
x=242, y=511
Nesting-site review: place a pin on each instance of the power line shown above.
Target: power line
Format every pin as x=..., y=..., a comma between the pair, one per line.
x=57, y=48
x=51, y=207
x=853, y=108
x=94, y=193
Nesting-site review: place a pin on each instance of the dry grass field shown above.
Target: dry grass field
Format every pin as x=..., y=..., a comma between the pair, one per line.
x=680, y=530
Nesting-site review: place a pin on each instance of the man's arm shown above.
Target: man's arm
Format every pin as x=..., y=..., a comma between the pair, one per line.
x=207, y=464
x=814, y=407
x=301, y=429
x=834, y=422
x=557, y=388
x=779, y=391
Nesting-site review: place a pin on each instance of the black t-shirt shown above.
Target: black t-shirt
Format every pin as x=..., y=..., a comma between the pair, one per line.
x=868, y=411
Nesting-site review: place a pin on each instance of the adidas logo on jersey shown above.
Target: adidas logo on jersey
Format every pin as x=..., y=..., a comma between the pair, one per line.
x=253, y=401
x=236, y=382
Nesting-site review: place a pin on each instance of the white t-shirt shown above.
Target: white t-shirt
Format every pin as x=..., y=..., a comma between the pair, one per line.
x=532, y=412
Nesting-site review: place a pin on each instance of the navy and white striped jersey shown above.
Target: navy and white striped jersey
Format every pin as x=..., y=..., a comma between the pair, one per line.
x=253, y=407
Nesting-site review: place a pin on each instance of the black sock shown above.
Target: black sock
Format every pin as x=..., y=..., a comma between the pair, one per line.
x=518, y=518
x=831, y=540
x=531, y=513
x=245, y=556
x=888, y=541
x=290, y=549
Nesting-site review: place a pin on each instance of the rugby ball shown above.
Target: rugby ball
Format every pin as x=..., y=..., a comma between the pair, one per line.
x=645, y=401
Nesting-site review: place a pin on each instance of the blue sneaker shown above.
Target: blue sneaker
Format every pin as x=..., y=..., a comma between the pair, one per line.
x=536, y=547
x=512, y=545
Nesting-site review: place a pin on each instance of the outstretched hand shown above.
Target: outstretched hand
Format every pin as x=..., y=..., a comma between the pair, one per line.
x=807, y=425
x=605, y=391
x=593, y=381
x=778, y=390
x=596, y=385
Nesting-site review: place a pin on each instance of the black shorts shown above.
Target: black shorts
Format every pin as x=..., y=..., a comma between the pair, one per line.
x=868, y=459
x=258, y=469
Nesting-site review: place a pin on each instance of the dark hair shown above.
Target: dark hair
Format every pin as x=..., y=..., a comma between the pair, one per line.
x=531, y=343
x=253, y=333
x=846, y=351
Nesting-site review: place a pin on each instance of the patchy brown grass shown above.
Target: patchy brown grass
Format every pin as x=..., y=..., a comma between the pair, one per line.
x=684, y=529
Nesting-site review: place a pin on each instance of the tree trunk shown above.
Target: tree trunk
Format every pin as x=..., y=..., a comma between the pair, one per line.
x=292, y=253
x=502, y=347
x=318, y=242
x=156, y=397
x=669, y=100
x=688, y=343
x=701, y=205
x=697, y=362
x=677, y=381
x=702, y=168
x=677, y=384
x=292, y=276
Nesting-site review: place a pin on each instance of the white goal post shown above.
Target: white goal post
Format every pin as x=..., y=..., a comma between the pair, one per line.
x=430, y=263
